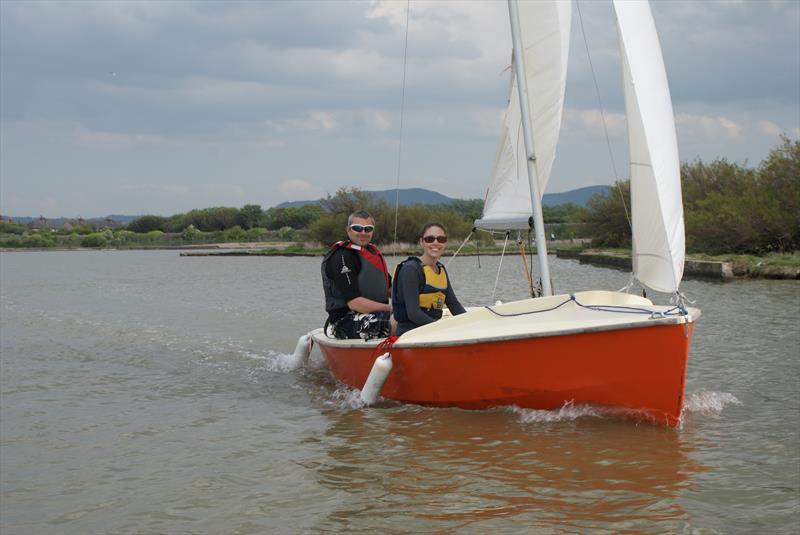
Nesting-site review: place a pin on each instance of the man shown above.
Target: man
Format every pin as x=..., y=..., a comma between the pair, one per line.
x=357, y=284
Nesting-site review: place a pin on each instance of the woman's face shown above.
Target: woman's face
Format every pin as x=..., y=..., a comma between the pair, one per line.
x=434, y=241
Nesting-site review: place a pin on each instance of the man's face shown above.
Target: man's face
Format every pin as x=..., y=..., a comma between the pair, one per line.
x=360, y=238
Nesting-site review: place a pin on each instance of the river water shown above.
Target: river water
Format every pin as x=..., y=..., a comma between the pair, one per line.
x=144, y=392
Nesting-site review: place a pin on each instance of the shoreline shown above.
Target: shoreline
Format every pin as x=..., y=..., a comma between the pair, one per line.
x=719, y=270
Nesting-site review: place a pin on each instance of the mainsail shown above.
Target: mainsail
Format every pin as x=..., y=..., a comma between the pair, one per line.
x=545, y=30
x=656, y=202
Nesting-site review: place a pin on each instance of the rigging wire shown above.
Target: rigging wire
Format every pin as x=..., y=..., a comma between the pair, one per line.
x=602, y=115
x=500, y=266
x=400, y=141
x=463, y=243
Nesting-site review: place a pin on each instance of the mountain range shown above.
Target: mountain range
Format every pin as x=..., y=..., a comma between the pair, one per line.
x=407, y=197
x=410, y=196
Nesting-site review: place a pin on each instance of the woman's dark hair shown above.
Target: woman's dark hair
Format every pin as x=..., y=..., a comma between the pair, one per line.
x=432, y=224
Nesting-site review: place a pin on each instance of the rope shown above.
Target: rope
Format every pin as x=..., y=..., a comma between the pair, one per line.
x=603, y=115
x=677, y=310
x=463, y=243
x=525, y=264
x=494, y=290
x=477, y=250
x=383, y=347
x=400, y=142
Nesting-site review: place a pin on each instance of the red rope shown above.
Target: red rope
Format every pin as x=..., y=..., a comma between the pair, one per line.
x=384, y=346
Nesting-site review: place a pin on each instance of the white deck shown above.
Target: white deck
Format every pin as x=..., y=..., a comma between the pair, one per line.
x=532, y=318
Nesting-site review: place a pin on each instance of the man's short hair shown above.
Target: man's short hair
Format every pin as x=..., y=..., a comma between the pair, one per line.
x=361, y=214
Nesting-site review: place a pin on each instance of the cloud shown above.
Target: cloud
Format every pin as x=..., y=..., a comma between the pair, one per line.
x=31, y=205
x=205, y=89
x=224, y=194
x=592, y=122
x=160, y=189
x=769, y=128
x=297, y=189
x=207, y=92
x=315, y=121
x=101, y=139
x=701, y=126
x=360, y=120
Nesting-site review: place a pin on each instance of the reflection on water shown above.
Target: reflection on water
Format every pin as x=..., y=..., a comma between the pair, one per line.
x=454, y=470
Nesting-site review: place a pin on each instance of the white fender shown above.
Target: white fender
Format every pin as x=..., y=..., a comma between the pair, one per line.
x=377, y=376
x=301, y=352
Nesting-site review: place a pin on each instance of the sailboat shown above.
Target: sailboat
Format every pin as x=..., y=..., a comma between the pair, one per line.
x=609, y=349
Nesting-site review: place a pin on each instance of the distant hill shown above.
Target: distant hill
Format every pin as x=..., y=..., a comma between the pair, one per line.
x=424, y=196
x=578, y=196
x=407, y=197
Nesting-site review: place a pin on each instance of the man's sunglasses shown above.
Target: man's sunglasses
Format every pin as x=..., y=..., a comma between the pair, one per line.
x=431, y=239
x=362, y=228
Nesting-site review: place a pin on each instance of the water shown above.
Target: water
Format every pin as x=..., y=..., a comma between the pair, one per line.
x=143, y=392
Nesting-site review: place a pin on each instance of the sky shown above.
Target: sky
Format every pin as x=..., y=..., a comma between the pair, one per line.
x=159, y=107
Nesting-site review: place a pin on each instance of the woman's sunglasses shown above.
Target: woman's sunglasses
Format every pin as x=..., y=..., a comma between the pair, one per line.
x=431, y=239
x=362, y=228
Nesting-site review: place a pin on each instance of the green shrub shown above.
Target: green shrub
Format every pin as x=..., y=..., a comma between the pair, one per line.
x=10, y=240
x=257, y=234
x=191, y=234
x=154, y=235
x=12, y=228
x=234, y=234
x=38, y=239
x=95, y=239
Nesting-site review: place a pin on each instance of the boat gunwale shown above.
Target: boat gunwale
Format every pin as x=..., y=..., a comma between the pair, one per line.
x=322, y=338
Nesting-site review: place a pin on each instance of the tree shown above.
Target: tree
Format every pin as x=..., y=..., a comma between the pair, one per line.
x=564, y=213
x=211, y=219
x=146, y=223
x=249, y=216
x=467, y=208
x=779, y=176
x=295, y=217
x=330, y=226
x=606, y=216
x=346, y=201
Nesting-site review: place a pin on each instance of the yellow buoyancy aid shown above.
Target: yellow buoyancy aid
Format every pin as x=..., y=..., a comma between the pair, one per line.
x=433, y=294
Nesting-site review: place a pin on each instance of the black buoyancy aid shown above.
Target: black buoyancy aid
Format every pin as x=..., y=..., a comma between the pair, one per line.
x=373, y=276
x=427, y=289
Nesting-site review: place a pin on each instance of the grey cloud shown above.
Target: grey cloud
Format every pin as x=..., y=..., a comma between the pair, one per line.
x=276, y=90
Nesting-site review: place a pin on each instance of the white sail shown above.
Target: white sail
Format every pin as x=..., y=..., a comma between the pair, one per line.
x=656, y=203
x=545, y=30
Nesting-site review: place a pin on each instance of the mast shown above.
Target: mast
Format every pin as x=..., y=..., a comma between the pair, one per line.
x=536, y=199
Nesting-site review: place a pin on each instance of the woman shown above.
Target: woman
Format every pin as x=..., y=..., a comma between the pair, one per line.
x=421, y=286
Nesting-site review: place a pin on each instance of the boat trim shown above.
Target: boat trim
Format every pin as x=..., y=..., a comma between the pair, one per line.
x=692, y=315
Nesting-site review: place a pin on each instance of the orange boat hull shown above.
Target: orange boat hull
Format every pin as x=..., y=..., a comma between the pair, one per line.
x=638, y=371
